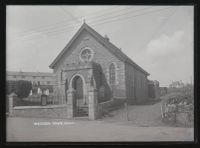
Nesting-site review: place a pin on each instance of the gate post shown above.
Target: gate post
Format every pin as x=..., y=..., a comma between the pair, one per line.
x=93, y=104
x=10, y=103
x=70, y=103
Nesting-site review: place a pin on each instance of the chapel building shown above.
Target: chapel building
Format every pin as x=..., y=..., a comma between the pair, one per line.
x=90, y=60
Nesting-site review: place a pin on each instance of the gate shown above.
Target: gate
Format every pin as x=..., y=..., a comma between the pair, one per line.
x=81, y=107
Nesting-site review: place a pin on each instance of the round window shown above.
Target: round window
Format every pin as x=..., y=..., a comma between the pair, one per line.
x=86, y=54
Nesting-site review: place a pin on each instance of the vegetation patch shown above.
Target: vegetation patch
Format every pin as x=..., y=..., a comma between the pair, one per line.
x=178, y=108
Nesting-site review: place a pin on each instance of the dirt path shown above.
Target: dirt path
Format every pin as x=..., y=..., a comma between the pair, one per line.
x=139, y=115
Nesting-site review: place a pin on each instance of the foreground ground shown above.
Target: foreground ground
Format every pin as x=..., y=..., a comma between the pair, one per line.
x=143, y=123
x=23, y=129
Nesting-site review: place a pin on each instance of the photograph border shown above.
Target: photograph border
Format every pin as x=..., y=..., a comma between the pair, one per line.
x=194, y=3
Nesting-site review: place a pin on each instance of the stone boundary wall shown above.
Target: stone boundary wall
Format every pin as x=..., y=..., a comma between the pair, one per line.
x=110, y=105
x=51, y=111
x=178, y=114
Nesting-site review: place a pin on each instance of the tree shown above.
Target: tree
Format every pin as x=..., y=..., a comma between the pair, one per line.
x=21, y=88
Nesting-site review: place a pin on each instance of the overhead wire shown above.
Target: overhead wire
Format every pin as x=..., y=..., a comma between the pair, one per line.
x=71, y=26
x=51, y=25
x=110, y=20
x=163, y=23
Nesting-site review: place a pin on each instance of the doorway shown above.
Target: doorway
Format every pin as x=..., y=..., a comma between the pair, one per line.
x=81, y=107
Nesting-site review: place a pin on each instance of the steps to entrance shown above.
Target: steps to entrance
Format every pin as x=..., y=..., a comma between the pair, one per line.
x=81, y=111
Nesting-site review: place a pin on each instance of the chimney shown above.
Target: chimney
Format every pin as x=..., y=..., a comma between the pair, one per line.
x=106, y=37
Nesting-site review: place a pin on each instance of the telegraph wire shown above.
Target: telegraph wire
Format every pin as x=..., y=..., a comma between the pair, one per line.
x=101, y=19
x=46, y=26
x=119, y=19
x=65, y=11
x=135, y=15
x=159, y=27
x=65, y=31
x=68, y=26
x=108, y=21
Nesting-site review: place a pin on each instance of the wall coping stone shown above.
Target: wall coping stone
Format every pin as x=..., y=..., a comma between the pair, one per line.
x=106, y=102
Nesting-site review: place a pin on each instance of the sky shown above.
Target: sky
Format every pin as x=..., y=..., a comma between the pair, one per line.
x=158, y=38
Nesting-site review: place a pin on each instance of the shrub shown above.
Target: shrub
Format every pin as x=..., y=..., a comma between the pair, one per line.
x=21, y=88
x=179, y=107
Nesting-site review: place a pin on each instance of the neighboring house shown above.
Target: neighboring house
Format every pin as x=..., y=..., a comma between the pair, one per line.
x=37, y=78
x=90, y=59
x=154, y=89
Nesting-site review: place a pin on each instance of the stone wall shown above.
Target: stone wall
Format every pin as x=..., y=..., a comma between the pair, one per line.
x=106, y=107
x=52, y=111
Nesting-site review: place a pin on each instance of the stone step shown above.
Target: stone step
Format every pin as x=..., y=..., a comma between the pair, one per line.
x=82, y=111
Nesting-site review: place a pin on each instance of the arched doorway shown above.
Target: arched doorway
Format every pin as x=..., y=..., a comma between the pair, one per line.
x=81, y=107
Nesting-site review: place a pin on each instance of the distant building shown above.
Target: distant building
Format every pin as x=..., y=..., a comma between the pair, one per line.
x=163, y=91
x=176, y=84
x=153, y=89
x=37, y=78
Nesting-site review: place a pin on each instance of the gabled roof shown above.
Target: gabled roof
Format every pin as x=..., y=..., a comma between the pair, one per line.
x=116, y=51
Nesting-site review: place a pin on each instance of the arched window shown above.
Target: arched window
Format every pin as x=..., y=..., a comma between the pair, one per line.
x=112, y=74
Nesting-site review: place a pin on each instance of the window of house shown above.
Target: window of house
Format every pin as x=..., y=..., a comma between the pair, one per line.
x=34, y=77
x=48, y=82
x=23, y=77
x=112, y=74
x=38, y=82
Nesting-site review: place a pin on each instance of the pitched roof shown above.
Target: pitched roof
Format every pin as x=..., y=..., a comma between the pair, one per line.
x=116, y=51
x=46, y=74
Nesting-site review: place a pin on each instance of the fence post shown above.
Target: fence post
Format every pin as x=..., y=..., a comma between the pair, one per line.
x=176, y=112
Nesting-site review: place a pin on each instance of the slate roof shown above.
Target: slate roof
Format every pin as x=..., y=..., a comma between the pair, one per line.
x=115, y=50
